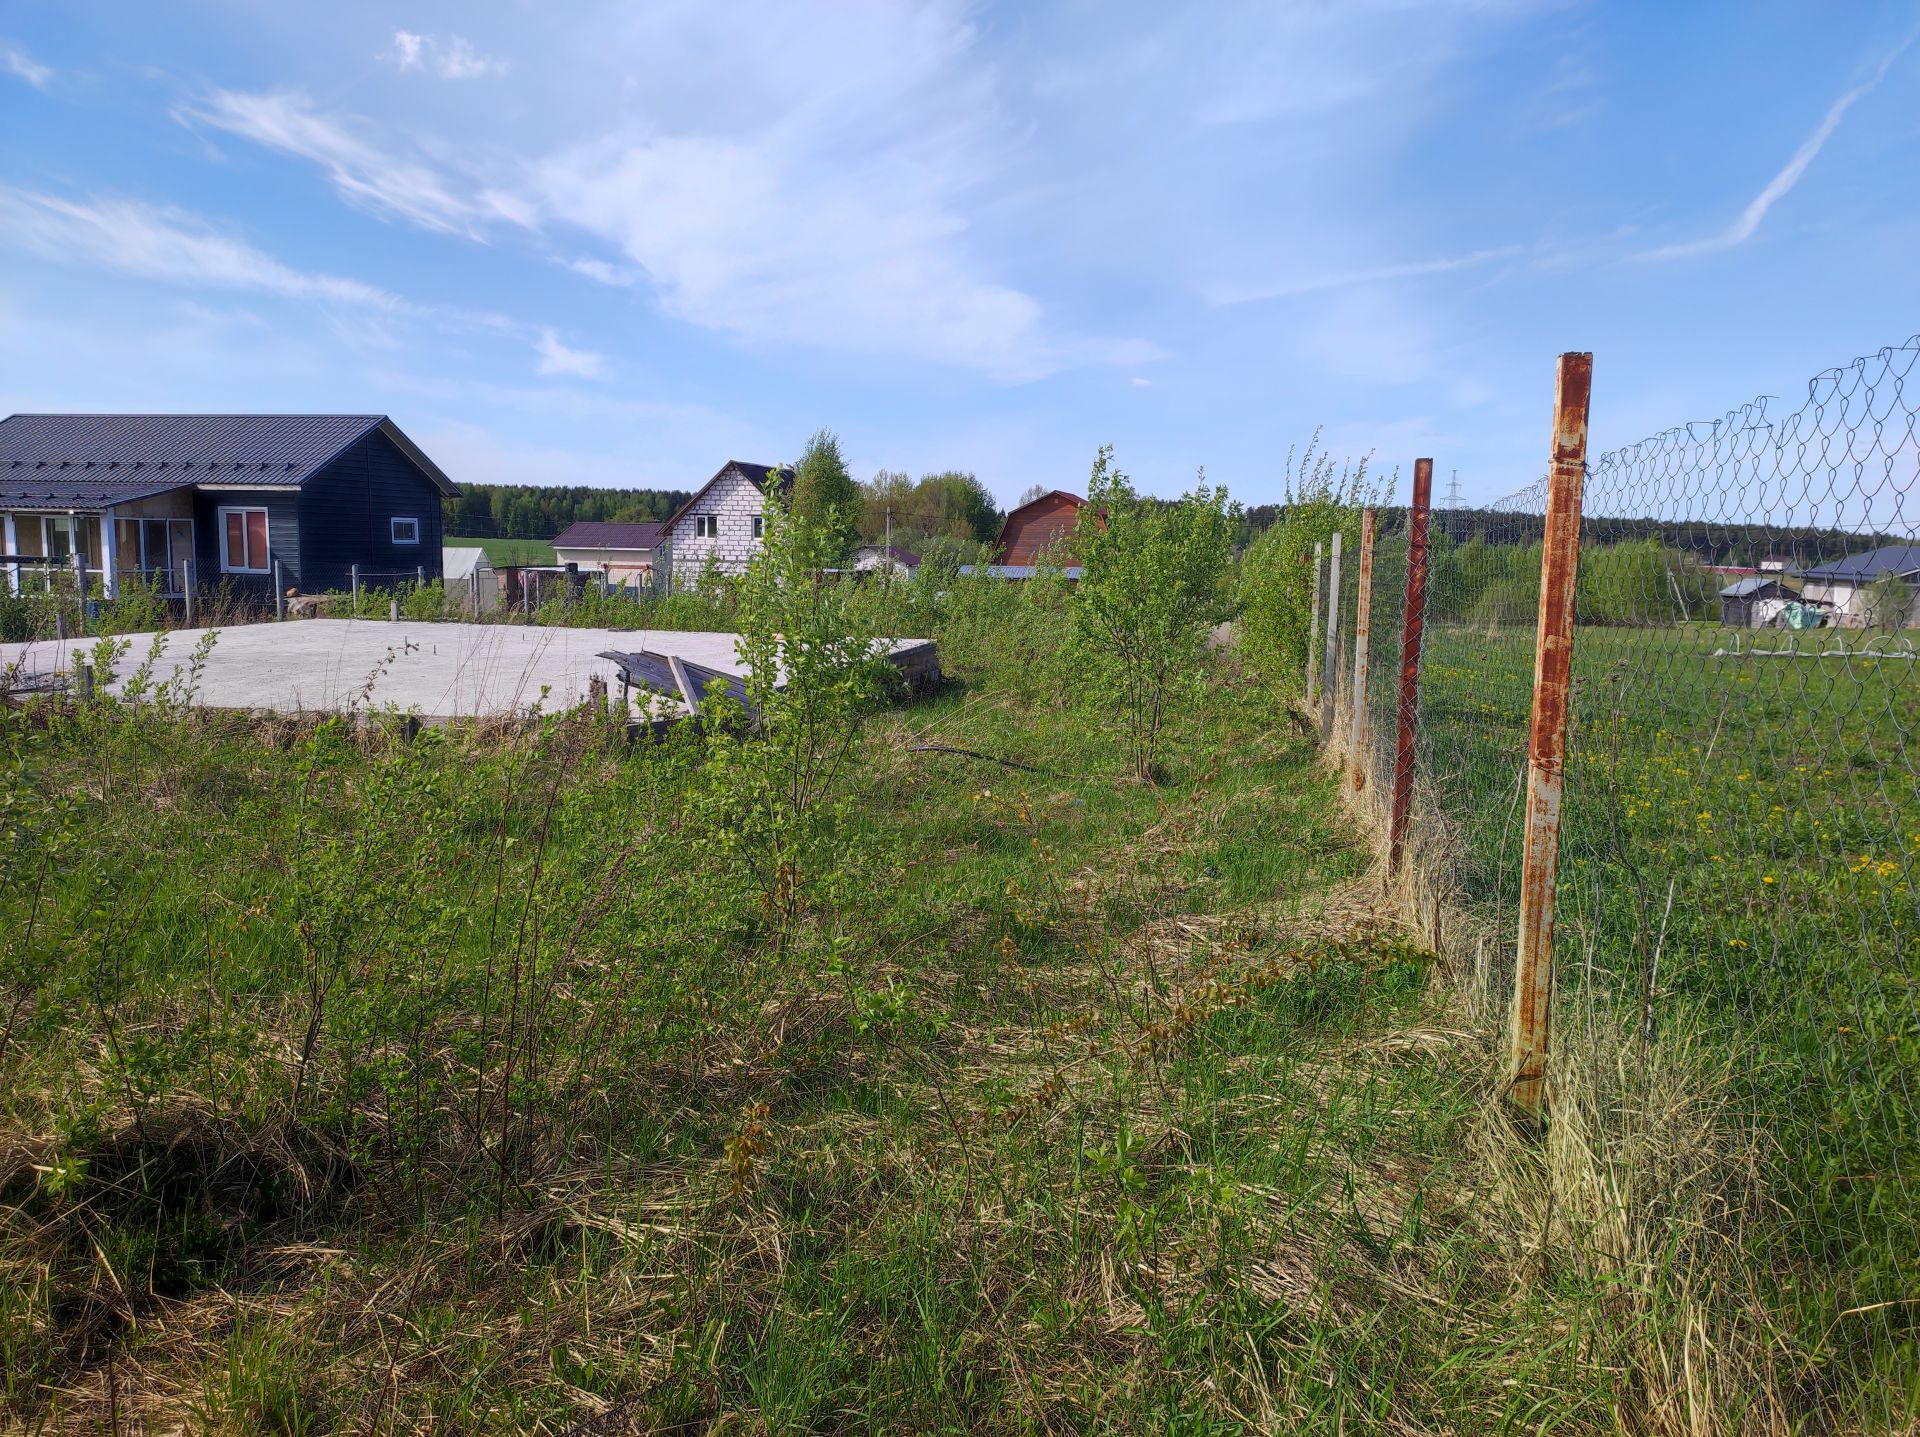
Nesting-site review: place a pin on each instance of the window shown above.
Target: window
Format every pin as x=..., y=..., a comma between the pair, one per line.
x=404, y=531
x=706, y=526
x=243, y=541
x=757, y=521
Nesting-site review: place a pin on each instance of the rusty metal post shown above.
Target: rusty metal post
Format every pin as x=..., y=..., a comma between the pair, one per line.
x=1330, y=670
x=1412, y=624
x=1313, y=637
x=1547, y=735
x=1362, y=629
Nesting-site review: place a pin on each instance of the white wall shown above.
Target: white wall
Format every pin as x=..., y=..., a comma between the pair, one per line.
x=736, y=501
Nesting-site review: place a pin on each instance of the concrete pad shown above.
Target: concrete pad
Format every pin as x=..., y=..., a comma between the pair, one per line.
x=436, y=671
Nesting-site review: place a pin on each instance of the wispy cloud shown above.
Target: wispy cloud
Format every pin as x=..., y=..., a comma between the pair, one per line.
x=174, y=247
x=364, y=173
x=1347, y=279
x=451, y=59
x=1747, y=223
x=557, y=358
x=169, y=245
x=22, y=66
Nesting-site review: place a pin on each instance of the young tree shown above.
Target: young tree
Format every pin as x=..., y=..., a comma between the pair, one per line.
x=825, y=496
x=1276, y=573
x=1152, y=584
x=815, y=669
x=1889, y=603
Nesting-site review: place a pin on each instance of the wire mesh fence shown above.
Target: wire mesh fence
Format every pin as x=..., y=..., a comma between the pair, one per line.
x=1738, y=842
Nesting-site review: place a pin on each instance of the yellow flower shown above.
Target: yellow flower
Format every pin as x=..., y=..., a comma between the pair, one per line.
x=1766, y=878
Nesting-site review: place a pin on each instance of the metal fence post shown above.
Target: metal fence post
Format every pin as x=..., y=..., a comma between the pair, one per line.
x=1362, y=627
x=1547, y=734
x=1330, y=671
x=80, y=585
x=356, y=591
x=1313, y=637
x=279, y=593
x=1412, y=624
x=190, y=577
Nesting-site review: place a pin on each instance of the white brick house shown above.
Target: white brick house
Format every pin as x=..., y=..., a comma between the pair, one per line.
x=722, y=520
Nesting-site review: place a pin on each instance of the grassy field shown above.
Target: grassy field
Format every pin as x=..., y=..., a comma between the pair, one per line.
x=466, y=1084
x=508, y=551
x=1740, y=864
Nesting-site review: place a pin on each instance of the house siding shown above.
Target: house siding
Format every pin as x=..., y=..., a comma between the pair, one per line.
x=1032, y=531
x=346, y=510
x=283, y=538
x=736, y=501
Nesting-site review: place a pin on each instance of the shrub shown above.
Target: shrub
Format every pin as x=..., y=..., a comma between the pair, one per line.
x=1152, y=584
x=1276, y=573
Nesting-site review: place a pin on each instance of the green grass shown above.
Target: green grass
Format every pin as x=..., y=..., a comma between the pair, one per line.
x=508, y=551
x=1754, y=821
x=465, y=1084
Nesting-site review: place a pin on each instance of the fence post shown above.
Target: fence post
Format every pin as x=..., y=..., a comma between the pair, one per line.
x=1362, y=629
x=188, y=571
x=356, y=592
x=1412, y=624
x=279, y=593
x=1313, y=637
x=83, y=674
x=1330, y=670
x=1547, y=734
x=80, y=585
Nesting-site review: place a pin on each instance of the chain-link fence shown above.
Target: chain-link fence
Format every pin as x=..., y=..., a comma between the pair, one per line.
x=1736, y=899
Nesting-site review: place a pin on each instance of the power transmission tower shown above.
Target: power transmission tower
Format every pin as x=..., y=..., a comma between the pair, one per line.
x=1453, y=491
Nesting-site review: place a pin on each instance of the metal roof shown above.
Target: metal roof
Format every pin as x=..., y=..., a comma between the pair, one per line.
x=598, y=534
x=165, y=451
x=62, y=489
x=1901, y=559
x=1020, y=571
x=1744, y=588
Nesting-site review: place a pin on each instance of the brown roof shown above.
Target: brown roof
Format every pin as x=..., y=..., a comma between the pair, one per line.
x=1011, y=522
x=597, y=534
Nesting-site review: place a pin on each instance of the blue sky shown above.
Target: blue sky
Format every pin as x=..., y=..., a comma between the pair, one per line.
x=620, y=243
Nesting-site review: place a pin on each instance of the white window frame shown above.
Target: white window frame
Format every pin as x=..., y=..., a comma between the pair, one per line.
x=706, y=526
x=393, y=530
x=227, y=566
x=759, y=526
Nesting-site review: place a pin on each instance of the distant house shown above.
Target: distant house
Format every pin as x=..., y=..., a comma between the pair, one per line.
x=213, y=499
x=1754, y=602
x=468, y=574
x=878, y=558
x=628, y=554
x=1843, y=585
x=723, y=522
x=1037, y=526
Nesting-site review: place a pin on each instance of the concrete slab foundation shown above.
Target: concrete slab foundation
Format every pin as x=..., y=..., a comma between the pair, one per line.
x=434, y=671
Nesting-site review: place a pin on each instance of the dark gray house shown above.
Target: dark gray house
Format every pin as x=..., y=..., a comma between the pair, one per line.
x=209, y=499
x=1848, y=586
x=1754, y=602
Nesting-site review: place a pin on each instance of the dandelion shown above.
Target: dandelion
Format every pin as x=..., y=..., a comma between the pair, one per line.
x=1766, y=878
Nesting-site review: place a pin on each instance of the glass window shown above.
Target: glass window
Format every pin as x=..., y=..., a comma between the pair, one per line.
x=756, y=526
x=706, y=526
x=243, y=541
x=404, y=531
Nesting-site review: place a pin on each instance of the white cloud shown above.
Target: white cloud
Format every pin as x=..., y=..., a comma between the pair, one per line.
x=453, y=58
x=1747, y=222
x=795, y=177
x=168, y=245
x=1315, y=284
x=174, y=247
x=1140, y=381
x=364, y=173
x=556, y=358
x=21, y=65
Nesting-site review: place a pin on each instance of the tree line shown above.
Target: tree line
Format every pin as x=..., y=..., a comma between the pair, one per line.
x=540, y=511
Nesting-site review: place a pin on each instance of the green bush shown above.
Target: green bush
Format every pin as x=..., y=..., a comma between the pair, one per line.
x=1276, y=573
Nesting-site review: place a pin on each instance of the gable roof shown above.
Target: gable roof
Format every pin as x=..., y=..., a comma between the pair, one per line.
x=756, y=474
x=1755, y=584
x=600, y=534
x=1900, y=559
x=888, y=551
x=1006, y=524
x=143, y=454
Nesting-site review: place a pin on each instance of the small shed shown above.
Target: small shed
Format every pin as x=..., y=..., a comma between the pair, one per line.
x=1754, y=602
x=470, y=578
x=1038, y=527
